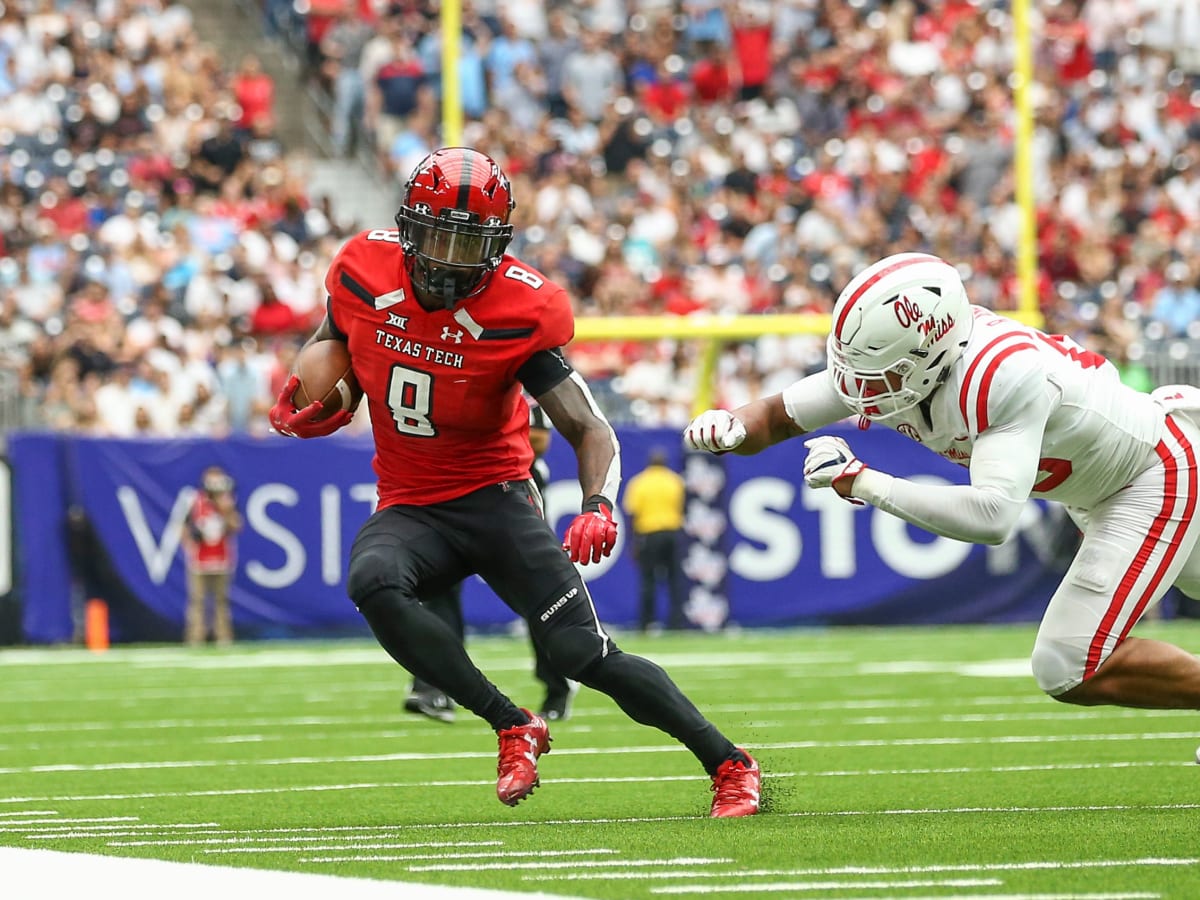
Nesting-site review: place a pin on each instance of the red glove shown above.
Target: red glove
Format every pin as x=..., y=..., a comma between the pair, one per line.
x=593, y=533
x=286, y=419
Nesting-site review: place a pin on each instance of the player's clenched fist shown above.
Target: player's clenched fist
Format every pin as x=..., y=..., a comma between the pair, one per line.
x=829, y=461
x=302, y=423
x=716, y=431
x=593, y=533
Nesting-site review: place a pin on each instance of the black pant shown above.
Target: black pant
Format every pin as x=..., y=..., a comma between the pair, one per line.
x=406, y=552
x=658, y=561
x=448, y=605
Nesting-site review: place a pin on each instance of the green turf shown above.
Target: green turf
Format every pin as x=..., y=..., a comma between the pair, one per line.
x=899, y=763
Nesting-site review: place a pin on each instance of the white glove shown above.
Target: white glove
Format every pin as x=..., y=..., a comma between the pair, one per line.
x=830, y=460
x=716, y=431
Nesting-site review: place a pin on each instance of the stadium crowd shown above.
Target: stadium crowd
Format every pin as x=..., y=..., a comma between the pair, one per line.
x=160, y=258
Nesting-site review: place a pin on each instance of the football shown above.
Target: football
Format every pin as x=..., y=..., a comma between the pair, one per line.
x=325, y=374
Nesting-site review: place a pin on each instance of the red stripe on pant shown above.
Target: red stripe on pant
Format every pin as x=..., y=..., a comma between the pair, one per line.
x=1140, y=561
x=1189, y=510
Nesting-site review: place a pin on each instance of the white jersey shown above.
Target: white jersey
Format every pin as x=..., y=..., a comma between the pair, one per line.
x=1030, y=414
x=1036, y=415
x=1098, y=433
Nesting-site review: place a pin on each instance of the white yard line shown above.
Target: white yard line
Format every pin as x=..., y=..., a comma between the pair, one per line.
x=55, y=820
x=780, y=886
x=273, y=658
x=599, y=713
x=54, y=831
x=1049, y=864
x=970, y=810
x=49, y=873
x=575, y=863
x=483, y=782
x=384, y=728
x=485, y=854
x=646, y=820
x=988, y=896
x=306, y=839
x=601, y=751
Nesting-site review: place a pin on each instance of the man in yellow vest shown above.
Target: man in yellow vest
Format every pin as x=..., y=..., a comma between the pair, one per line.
x=654, y=501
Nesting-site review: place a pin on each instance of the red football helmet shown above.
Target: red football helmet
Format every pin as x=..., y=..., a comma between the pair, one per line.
x=454, y=223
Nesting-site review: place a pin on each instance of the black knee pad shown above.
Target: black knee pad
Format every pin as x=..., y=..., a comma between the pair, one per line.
x=383, y=607
x=371, y=570
x=571, y=649
x=568, y=631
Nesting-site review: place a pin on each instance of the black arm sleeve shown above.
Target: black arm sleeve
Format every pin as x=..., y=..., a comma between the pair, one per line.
x=333, y=326
x=543, y=371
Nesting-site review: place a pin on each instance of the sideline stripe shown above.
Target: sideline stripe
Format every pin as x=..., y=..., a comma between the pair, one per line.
x=50, y=873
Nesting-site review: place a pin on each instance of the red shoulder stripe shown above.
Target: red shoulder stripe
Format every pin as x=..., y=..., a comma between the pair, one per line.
x=985, y=383
x=975, y=364
x=968, y=379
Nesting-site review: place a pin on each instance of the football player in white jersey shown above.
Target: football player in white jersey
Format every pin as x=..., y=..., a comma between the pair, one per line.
x=1031, y=415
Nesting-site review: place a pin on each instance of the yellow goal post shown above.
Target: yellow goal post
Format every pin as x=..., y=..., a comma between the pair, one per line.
x=715, y=331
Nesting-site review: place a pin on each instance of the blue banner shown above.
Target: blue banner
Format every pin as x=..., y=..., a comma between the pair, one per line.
x=765, y=549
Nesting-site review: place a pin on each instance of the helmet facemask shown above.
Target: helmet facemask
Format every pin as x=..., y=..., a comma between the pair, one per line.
x=454, y=225
x=899, y=328
x=880, y=393
x=450, y=255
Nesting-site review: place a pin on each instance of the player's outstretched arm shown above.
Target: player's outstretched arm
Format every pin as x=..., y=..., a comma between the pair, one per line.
x=986, y=511
x=1005, y=460
x=574, y=413
x=746, y=430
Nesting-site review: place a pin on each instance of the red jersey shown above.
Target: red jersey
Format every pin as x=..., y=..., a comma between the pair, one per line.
x=211, y=549
x=446, y=406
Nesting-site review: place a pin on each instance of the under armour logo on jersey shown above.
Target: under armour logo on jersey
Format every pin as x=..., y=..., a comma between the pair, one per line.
x=448, y=335
x=391, y=298
x=396, y=321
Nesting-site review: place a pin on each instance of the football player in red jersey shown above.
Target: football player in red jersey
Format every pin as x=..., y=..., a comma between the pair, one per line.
x=444, y=330
x=426, y=700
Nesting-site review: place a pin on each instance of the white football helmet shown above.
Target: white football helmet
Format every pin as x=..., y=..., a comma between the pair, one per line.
x=898, y=327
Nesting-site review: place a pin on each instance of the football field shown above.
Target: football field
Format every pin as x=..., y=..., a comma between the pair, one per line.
x=898, y=763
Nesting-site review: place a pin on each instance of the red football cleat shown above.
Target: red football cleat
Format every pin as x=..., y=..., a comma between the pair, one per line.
x=520, y=747
x=736, y=789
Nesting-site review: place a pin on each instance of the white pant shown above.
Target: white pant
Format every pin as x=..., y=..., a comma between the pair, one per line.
x=1136, y=545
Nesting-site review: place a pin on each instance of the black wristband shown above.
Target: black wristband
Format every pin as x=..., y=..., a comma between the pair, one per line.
x=595, y=502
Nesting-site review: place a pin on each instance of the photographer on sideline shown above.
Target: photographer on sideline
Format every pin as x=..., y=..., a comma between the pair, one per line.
x=210, y=552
